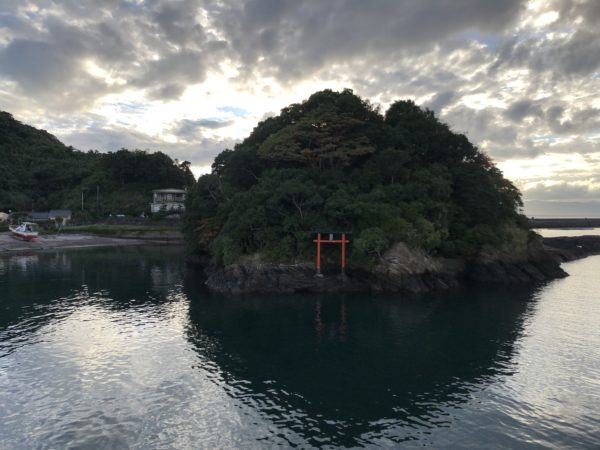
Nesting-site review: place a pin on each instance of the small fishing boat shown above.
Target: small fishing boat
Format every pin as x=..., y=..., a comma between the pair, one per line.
x=26, y=231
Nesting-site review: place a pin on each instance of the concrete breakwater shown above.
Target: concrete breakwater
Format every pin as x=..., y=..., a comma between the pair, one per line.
x=574, y=247
x=564, y=223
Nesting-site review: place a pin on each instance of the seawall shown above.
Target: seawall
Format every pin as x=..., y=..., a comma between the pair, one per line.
x=564, y=223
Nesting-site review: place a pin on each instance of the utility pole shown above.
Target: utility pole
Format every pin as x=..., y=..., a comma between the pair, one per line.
x=82, y=199
x=97, y=198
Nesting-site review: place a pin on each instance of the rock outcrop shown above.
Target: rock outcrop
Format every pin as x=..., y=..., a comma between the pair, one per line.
x=404, y=269
x=532, y=262
x=571, y=248
x=283, y=278
x=401, y=269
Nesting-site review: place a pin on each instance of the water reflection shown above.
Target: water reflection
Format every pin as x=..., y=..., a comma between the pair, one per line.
x=342, y=370
x=83, y=340
x=121, y=348
x=38, y=289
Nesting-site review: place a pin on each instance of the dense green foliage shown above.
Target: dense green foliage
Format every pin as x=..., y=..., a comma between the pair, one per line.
x=38, y=172
x=335, y=162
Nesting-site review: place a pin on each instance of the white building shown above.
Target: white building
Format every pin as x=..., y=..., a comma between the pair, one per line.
x=168, y=200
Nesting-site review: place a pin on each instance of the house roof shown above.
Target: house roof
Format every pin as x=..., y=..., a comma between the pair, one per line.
x=168, y=191
x=50, y=215
x=60, y=213
x=39, y=216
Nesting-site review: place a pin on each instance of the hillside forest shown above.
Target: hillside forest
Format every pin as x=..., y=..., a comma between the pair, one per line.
x=38, y=173
x=336, y=162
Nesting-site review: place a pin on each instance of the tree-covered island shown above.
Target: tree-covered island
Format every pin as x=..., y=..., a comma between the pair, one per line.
x=336, y=162
x=425, y=206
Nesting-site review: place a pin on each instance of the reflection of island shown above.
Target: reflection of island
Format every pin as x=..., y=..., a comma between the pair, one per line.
x=39, y=288
x=329, y=366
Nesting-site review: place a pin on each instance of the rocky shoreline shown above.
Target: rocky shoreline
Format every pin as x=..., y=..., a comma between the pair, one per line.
x=566, y=249
x=407, y=270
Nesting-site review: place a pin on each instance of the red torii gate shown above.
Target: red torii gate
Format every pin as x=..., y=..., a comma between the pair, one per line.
x=331, y=237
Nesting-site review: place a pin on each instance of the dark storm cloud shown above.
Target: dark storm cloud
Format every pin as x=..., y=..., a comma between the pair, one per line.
x=175, y=71
x=163, y=47
x=573, y=55
x=579, y=121
x=100, y=136
x=483, y=125
x=178, y=24
x=485, y=67
x=441, y=100
x=587, y=11
x=190, y=129
x=158, y=47
x=521, y=109
x=49, y=74
x=293, y=39
x=578, y=55
x=22, y=60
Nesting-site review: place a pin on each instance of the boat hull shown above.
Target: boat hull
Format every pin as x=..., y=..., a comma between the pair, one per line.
x=25, y=235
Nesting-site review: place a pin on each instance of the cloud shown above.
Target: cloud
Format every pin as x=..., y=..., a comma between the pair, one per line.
x=563, y=199
x=564, y=120
x=21, y=61
x=291, y=40
x=557, y=208
x=521, y=109
x=99, y=135
x=569, y=47
x=161, y=48
x=564, y=191
x=192, y=77
x=189, y=129
x=439, y=101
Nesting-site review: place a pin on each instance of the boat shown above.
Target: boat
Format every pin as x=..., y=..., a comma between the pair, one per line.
x=26, y=231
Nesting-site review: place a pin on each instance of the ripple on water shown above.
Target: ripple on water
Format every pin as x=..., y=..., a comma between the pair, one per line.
x=135, y=358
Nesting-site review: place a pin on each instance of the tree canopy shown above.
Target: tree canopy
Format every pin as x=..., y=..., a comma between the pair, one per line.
x=335, y=162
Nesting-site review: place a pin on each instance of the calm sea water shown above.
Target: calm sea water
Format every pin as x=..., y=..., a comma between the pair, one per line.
x=125, y=349
x=559, y=232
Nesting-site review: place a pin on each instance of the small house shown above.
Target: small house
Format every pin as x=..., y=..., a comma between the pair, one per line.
x=39, y=216
x=168, y=200
x=59, y=217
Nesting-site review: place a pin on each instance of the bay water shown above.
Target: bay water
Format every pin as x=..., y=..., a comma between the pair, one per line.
x=125, y=348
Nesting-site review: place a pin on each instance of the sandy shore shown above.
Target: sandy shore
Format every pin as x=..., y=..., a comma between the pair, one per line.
x=11, y=244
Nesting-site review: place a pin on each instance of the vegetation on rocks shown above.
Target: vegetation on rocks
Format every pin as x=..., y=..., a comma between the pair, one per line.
x=336, y=162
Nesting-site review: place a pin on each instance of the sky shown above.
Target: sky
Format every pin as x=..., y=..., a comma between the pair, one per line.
x=193, y=77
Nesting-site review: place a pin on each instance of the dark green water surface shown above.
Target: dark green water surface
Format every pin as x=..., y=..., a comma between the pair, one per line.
x=124, y=348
